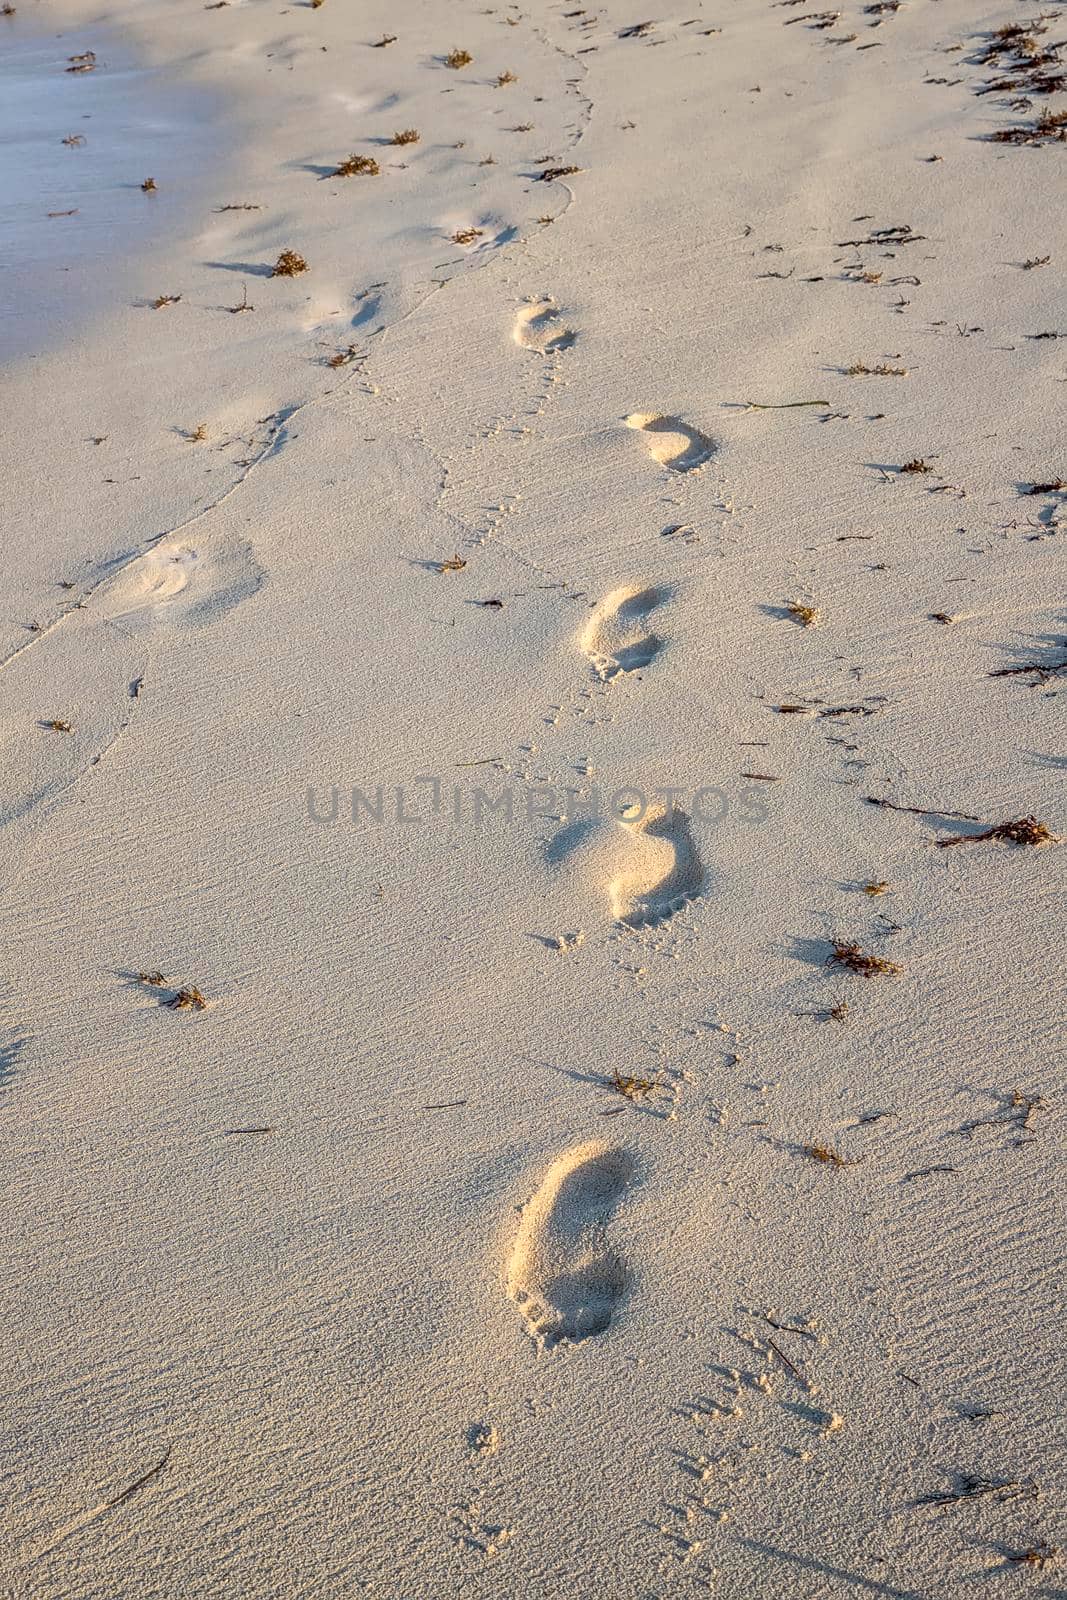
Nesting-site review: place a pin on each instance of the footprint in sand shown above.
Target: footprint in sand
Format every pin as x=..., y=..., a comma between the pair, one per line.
x=616, y=638
x=153, y=579
x=174, y=583
x=649, y=869
x=563, y=1275
x=540, y=327
x=662, y=873
x=672, y=442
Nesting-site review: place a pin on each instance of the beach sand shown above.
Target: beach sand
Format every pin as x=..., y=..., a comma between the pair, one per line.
x=512, y=1186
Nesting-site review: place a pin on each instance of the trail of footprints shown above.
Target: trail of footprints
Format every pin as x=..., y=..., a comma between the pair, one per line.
x=564, y=1274
x=650, y=864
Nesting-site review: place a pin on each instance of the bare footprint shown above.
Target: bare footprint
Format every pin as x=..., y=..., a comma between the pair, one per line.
x=563, y=1275
x=616, y=639
x=663, y=873
x=177, y=584
x=540, y=327
x=154, y=579
x=648, y=868
x=672, y=442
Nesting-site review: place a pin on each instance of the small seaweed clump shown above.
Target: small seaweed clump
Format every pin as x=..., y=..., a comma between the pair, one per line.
x=357, y=167
x=290, y=264
x=1038, y=1556
x=853, y=959
x=186, y=999
x=405, y=136
x=458, y=58
x=829, y=1156
x=343, y=358
x=1025, y=830
x=633, y=1088
x=1049, y=128
x=1027, y=67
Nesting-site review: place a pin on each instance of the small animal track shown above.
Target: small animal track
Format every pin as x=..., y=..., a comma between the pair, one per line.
x=615, y=639
x=77, y=678
x=664, y=873
x=540, y=327
x=672, y=442
x=563, y=1274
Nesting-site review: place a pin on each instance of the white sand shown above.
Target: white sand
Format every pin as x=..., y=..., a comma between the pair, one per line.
x=521, y=1346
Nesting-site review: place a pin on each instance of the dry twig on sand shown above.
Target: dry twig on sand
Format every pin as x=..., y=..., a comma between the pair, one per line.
x=919, y=811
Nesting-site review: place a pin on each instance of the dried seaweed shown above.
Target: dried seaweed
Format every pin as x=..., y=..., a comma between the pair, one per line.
x=1024, y=831
x=853, y=959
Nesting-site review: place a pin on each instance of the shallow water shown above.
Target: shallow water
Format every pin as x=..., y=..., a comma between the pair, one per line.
x=136, y=123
